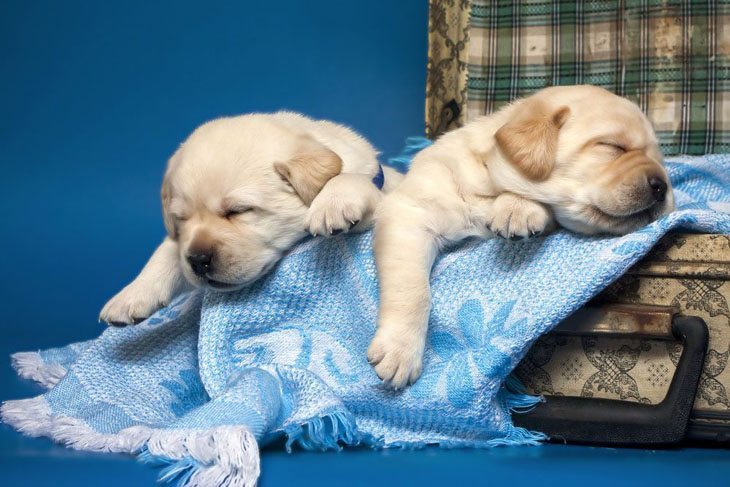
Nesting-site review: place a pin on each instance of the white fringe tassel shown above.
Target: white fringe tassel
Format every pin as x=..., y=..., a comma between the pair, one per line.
x=226, y=456
x=30, y=365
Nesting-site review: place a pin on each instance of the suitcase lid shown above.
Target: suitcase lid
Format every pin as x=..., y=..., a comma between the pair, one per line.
x=688, y=255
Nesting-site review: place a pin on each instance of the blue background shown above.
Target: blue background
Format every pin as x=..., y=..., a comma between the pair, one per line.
x=94, y=96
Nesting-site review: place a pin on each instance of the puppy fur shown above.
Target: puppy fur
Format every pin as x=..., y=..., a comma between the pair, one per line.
x=239, y=192
x=579, y=156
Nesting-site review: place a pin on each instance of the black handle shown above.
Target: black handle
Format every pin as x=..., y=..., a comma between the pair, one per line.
x=621, y=423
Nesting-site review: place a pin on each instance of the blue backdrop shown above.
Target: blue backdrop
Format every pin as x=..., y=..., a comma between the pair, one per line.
x=94, y=96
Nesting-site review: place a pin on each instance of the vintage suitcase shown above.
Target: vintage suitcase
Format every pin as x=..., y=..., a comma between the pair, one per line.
x=626, y=354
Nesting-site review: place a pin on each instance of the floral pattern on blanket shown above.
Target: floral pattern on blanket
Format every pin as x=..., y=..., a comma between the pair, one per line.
x=201, y=383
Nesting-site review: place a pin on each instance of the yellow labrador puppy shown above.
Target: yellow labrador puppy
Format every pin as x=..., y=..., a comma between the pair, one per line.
x=240, y=191
x=577, y=155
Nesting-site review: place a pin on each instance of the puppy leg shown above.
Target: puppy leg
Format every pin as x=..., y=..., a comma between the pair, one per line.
x=517, y=218
x=159, y=282
x=346, y=202
x=404, y=255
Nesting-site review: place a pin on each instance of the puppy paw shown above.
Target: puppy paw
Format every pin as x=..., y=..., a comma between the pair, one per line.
x=131, y=305
x=334, y=216
x=345, y=203
x=518, y=218
x=396, y=360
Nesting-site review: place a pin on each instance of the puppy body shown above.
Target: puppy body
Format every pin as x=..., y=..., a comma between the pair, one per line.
x=239, y=192
x=576, y=155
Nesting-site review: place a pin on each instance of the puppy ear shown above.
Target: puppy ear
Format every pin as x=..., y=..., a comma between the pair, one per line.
x=530, y=139
x=310, y=169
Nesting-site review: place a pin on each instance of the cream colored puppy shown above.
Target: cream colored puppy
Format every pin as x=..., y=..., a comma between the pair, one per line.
x=239, y=192
x=578, y=155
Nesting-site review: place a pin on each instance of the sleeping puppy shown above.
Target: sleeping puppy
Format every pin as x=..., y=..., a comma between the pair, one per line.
x=576, y=155
x=241, y=191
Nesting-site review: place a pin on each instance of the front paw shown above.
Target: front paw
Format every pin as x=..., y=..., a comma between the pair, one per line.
x=333, y=219
x=335, y=214
x=345, y=203
x=517, y=218
x=132, y=305
x=396, y=359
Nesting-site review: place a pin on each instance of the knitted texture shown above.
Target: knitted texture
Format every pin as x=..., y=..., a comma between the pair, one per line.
x=199, y=385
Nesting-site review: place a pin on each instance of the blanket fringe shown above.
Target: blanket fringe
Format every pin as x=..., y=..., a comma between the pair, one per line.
x=33, y=417
x=519, y=436
x=516, y=397
x=327, y=432
x=516, y=436
x=30, y=365
x=227, y=456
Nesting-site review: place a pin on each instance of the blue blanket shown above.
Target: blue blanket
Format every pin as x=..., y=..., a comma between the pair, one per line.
x=202, y=383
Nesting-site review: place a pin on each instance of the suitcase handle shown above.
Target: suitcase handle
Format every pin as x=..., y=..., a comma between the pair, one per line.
x=622, y=423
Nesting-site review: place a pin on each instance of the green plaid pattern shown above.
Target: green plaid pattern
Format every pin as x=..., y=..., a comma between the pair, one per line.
x=670, y=57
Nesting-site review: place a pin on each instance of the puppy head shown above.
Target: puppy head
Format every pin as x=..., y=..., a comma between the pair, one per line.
x=591, y=155
x=235, y=196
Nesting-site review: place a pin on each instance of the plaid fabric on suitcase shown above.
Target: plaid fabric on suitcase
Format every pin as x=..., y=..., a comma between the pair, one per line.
x=670, y=57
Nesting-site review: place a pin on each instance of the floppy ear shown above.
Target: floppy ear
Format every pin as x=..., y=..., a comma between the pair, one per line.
x=530, y=139
x=310, y=169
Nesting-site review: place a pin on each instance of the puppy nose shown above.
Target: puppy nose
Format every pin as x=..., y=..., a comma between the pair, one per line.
x=200, y=262
x=658, y=188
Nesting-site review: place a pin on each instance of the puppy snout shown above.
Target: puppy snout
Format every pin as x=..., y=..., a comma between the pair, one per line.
x=201, y=262
x=658, y=188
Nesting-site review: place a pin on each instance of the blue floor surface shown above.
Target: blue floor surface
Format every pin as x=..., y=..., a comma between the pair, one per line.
x=38, y=462
x=34, y=462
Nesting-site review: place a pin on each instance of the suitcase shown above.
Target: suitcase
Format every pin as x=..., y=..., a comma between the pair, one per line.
x=609, y=373
x=621, y=371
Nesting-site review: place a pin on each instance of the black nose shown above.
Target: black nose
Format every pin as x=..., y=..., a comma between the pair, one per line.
x=200, y=262
x=658, y=188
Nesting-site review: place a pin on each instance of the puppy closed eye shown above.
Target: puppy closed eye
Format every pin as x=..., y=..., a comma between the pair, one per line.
x=237, y=211
x=612, y=146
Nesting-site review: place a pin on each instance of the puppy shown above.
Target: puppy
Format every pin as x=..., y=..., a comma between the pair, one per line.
x=241, y=191
x=577, y=155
